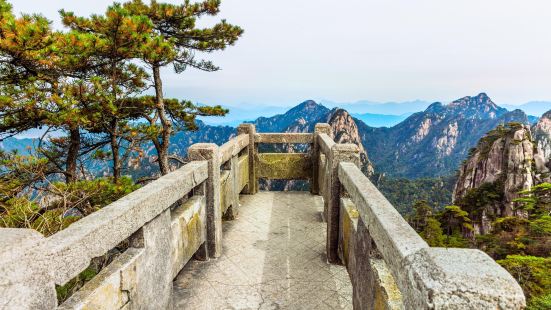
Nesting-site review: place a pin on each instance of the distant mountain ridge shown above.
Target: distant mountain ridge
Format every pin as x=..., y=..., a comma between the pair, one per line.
x=536, y=108
x=381, y=120
x=435, y=141
x=430, y=143
x=381, y=108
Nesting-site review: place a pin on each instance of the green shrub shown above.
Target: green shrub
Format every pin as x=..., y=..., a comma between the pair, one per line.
x=532, y=273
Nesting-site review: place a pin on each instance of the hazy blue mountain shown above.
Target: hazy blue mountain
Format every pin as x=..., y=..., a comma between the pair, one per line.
x=426, y=144
x=242, y=114
x=385, y=108
x=21, y=145
x=434, y=142
x=381, y=120
x=536, y=108
x=303, y=116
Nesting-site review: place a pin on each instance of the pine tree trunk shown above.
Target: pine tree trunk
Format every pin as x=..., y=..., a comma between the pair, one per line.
x=116, y=153
x=72, y=155
x=162, y=147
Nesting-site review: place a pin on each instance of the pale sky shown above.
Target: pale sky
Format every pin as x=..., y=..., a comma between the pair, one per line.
x=378, y=50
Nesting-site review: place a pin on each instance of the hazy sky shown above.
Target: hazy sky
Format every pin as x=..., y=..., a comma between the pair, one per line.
x=380, y=50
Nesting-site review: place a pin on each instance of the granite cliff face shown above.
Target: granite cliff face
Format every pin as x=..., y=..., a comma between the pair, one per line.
x=435, y=141
x=542, y=136
x=504, y=162
x=345, y=130
x=303, y=118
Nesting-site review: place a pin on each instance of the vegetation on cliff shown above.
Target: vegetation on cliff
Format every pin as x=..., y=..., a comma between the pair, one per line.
x=498, y=209
x=86, y=84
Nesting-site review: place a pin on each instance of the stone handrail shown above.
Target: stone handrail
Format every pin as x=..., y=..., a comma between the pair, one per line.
x=155, y=221
x=428, y=278
x=390, y=265
x=31, y=265
x=179, y=216
x=282, y=138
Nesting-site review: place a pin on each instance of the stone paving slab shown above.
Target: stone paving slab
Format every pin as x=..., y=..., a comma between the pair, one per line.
x=273, y=258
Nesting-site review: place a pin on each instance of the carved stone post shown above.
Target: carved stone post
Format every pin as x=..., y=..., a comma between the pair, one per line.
x=202, y=253
x=319, y=129
x=154, y=272
x=25, y=279
x=339, y=153
x=233, y=210
x=252, y=187
x=210, y=153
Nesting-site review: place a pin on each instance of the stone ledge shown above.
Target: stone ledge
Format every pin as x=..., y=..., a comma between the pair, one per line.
x=70, y=250
x=289, y=166
x=282, y=138
x=326, y=143
x=110, y=288
x=441, y=278
x=233, y=147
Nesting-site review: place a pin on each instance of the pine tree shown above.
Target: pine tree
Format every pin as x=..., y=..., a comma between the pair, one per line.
x=119, y=38
x=175, y=41
x=34, y=92
x=432, y=233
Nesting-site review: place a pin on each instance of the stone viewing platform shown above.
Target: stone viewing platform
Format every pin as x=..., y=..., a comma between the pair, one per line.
x=273, y=258
x=204, y=237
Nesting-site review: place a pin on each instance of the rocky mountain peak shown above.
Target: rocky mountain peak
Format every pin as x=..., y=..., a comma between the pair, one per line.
x=306, y=106
x=298, y=119
x=546, y=115
x=542, y=137
x=503, y=161
x=480, y=106
x=345, y=130
x=436, y=107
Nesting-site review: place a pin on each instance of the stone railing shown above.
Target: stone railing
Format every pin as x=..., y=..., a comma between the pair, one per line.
x=179, y=216
x=389, y=265
x=164, y=224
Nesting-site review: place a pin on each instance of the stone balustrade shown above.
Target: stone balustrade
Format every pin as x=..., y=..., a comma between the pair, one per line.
x=180, y=216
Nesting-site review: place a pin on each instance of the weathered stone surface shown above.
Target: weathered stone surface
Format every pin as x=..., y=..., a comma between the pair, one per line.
x=373, y=284
x=429, y=278
x=26, y=279
x=243, y=167
x=70, y=250
x=250, y=130
x=288, y=166
x=440, y=278
x=226, y=188
x=111, y=288
x=316, y=153
x=233, y=147
x=542, y=136
x=210, y=153
x=322, y=175
x=339, y=153
x=392, y=234
x=359, y=269
x=273, y=259
x=283, y=138
x=325, y=143
x=188, y=231
x=348, y=226
x=154, y=269
x=387, y=294
x=233, y=210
